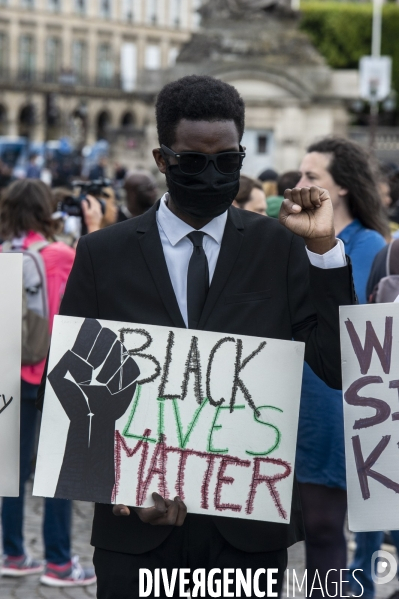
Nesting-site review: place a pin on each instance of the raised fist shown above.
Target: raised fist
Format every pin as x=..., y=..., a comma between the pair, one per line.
x=88, y=468
x=308, y=212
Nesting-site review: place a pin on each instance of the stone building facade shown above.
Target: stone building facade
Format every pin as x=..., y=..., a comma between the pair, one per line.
x=91, y=69
x=291, y=95
x=74, y=67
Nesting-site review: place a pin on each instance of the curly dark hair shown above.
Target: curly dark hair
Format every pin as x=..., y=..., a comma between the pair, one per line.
x=247, y=184
x=350, y=168
x=26, y=205
x=197, y=98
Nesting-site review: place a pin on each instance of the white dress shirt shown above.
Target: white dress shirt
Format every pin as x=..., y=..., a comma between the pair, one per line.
x=177, y=249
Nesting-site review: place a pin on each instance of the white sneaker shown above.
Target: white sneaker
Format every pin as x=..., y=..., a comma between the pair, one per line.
x=71, y=574
x=23, y=565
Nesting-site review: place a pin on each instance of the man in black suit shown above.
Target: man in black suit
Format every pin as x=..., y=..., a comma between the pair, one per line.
x=193, y=260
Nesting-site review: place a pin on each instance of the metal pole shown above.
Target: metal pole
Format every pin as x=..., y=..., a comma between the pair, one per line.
x=377, y=25
x=375, y=52
x=373, y=126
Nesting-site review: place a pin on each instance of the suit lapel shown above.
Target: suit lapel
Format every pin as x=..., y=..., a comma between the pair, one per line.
x=151, y=248
x=230, y=248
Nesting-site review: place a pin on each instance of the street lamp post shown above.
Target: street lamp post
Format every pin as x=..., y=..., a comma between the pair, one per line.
x=377, y=27
x=375, y=53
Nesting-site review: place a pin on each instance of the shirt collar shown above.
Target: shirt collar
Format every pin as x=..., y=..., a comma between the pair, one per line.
x=175, y=229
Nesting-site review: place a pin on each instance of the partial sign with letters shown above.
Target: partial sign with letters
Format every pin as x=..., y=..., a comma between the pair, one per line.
x=10, y=371
x=370, y=370
x=131, y=409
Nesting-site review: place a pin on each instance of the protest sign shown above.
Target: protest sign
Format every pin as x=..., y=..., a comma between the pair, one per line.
x=370, y=360
x=10, y=371
x=207, y=416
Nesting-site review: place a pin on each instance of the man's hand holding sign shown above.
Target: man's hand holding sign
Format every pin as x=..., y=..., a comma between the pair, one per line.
x=165, y=512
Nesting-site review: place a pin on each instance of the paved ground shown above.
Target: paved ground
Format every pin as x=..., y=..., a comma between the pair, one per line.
x=29, y=588
x=296, y=560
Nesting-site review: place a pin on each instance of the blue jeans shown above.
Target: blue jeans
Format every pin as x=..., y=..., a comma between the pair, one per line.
x=57, y=512
x=366, y=544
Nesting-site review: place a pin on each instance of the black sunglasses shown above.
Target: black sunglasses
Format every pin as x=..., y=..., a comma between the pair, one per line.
x=193, y=163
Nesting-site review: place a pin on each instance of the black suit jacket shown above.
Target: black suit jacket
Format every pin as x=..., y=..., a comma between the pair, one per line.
x=263, y=285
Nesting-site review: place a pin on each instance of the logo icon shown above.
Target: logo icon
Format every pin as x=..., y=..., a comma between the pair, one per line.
x=383, y=567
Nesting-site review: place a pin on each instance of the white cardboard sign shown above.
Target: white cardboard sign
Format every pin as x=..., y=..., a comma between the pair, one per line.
x=207, y=416
x=10, y=371
x=370, y=371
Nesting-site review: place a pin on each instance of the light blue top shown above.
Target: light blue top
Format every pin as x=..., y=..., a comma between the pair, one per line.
x=320, y=449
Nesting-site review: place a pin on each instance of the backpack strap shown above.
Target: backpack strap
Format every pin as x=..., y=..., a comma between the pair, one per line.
x=6, y=246
x=392, y=264
x=37, y=246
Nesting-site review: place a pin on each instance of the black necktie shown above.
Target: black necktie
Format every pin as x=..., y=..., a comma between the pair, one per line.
x=197, y=280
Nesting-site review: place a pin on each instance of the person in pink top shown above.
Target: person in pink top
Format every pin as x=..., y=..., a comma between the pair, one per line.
x=26, y=218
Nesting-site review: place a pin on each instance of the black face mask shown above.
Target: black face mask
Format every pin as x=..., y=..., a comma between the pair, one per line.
x=206, y=195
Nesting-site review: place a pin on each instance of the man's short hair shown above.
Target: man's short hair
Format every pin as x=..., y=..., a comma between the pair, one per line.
x=288, y=180
x=247, y=184
x=268, y=175
x=132, y=176
x=197, y=98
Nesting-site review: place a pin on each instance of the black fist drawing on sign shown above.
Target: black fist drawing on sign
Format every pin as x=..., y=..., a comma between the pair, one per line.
x=93, y=407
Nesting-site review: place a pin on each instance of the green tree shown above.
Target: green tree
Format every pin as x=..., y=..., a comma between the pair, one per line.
x=341, y=31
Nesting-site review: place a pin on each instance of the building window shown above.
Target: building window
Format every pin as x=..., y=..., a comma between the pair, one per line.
x=128, y=11
x=3, y=52
x=53, y=58
x=173, y=54
x=196, y=18
x=105, y=8
x=79, y=60
x=3, y=2
x=129, y=66
x=152, y=57
x=263, y=142
x=152, y=11
x=54, y=5
x=29, y=4
x=80, y=7
x=128, y=119
x=175, y=13
x=105, y=65
x=103, y=124
x=26, y=57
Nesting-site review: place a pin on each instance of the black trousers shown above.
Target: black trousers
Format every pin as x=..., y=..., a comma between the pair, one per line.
x=197, y=544
x=324, y=511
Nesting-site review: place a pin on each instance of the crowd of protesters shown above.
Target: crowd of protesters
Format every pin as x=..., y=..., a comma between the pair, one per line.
x=365, y=197
x=32, y=213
